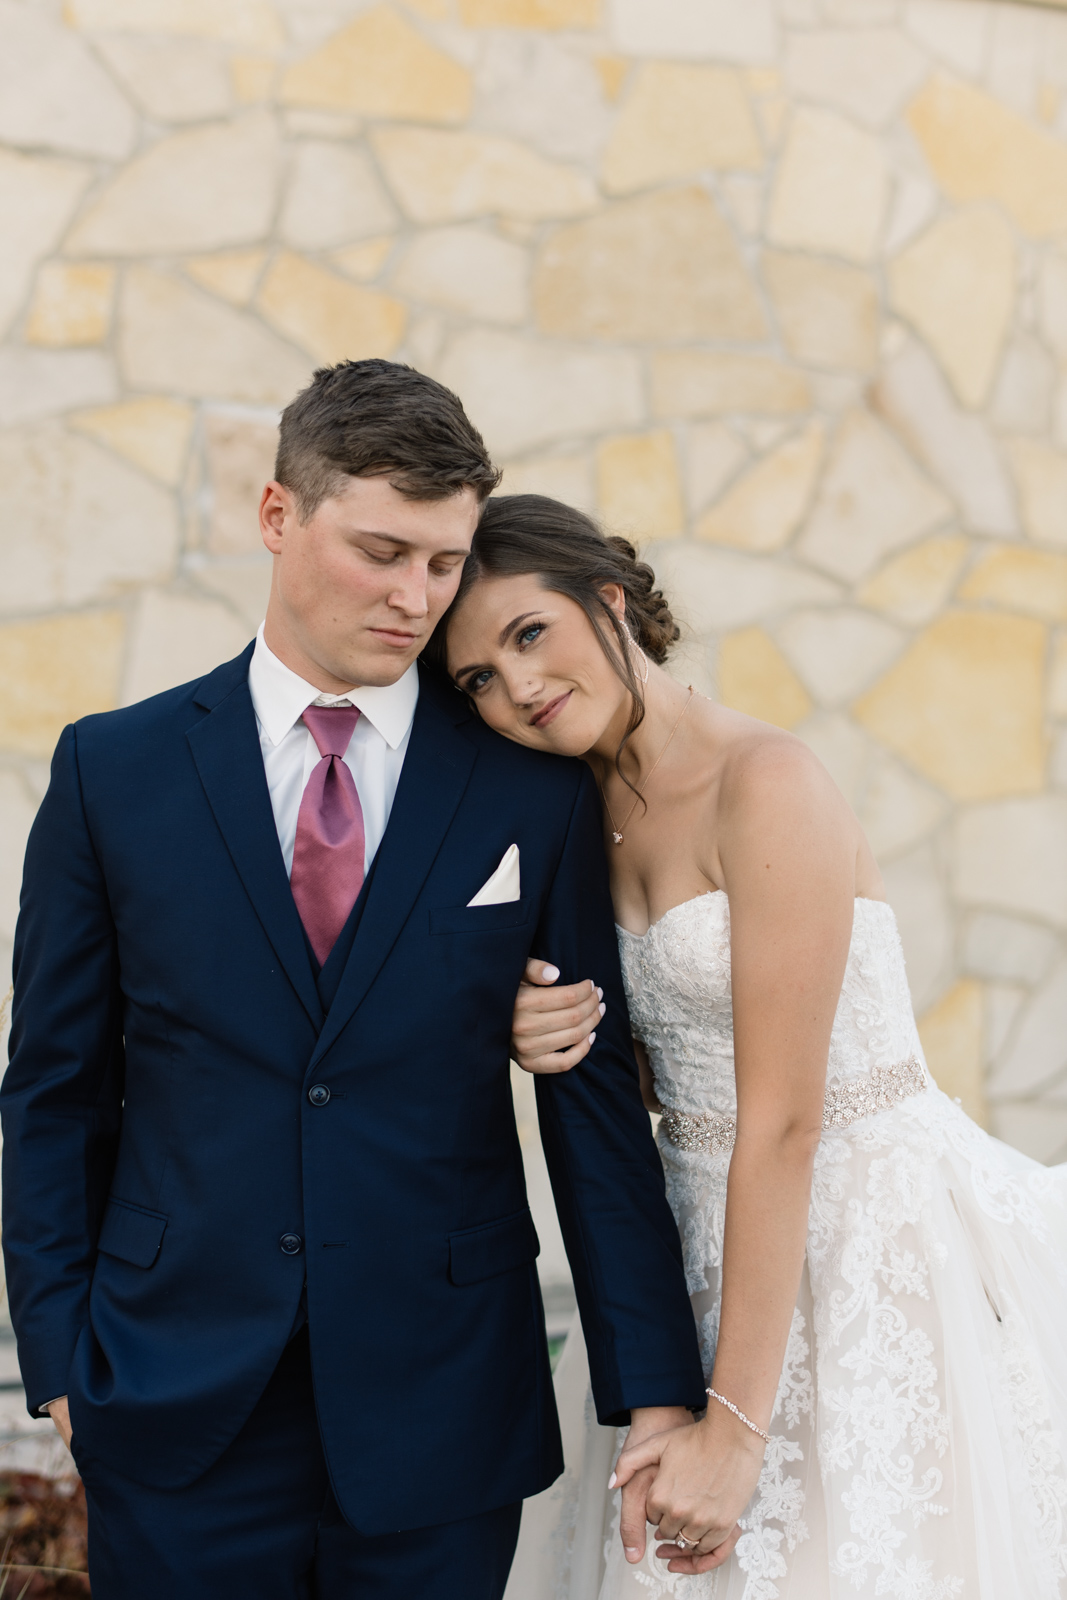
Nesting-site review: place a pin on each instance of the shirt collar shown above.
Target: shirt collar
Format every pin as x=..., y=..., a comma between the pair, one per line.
x=280, y=698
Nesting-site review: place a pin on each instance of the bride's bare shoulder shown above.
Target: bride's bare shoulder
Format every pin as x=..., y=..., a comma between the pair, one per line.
x=762, y=766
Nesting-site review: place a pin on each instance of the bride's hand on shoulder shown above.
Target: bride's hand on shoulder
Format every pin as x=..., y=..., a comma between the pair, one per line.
x=553, y=1029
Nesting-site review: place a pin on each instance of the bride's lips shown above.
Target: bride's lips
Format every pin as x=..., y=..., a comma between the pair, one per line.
x=551, y=711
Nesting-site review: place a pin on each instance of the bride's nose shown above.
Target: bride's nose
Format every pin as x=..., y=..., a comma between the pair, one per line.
x=524, y=687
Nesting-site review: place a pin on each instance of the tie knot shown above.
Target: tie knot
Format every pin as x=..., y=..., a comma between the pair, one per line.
x=331, y=727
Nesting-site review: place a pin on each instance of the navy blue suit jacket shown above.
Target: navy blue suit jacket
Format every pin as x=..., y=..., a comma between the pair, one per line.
x=160, y=1143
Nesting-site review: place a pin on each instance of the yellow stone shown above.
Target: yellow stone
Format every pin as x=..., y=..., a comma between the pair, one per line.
x=828, y=312
x=964, y=705
x=252, y=78
x=1057, y=683
x=71, y=304
x=1034, y=581
x=53, y=672
x=612, y=72
x=432, y=10
x=980, y=150
x=152, y=433
x=829, y=193
x=763, y=509
x=364, y=261
x=699, y=383
x=662, y=267
x=678, y=119
x=951, y=1035
x=330, y=319
x=638, y=486
x=530, y=13
x=233, y=274
x=956, y=285
x=448, y=177
x=248, y=22
x=754, y=677
x=1040, y=473
x=1048, y=102
x=380, y=66
x=913, y=586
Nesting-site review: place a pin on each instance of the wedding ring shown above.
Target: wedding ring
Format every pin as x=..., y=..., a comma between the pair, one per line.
x=684, y=1543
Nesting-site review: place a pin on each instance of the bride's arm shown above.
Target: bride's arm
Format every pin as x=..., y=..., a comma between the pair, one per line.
x=787, y=846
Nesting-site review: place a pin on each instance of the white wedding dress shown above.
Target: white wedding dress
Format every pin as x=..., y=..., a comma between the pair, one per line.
x=920, y=1429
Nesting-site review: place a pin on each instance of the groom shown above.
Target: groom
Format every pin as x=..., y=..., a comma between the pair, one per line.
x=266, y=1231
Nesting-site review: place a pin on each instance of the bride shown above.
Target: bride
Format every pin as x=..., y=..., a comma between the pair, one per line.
x=880, y=1287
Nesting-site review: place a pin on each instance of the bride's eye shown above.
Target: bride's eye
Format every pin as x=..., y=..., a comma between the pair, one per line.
x=477, y=680
x=528, y=635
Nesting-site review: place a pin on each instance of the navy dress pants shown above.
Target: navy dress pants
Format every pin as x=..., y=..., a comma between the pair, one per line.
x=262, y=1524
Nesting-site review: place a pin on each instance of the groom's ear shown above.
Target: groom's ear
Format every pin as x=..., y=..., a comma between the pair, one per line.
x=277, y=505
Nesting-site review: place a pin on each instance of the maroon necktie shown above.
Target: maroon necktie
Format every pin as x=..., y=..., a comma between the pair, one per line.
x=328, y=855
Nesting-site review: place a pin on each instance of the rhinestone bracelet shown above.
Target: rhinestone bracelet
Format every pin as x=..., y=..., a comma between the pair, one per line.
x=740, y=1415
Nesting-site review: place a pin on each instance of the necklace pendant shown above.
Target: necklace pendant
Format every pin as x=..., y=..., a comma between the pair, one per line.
x=617, y=837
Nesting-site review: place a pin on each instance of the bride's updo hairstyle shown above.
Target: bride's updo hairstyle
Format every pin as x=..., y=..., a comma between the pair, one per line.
x=520, y=535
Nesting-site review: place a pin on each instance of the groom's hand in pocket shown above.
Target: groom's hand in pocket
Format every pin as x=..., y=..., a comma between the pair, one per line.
x=553, y=1029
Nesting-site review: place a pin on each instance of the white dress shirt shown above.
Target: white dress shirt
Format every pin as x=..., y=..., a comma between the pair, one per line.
x=375, y=753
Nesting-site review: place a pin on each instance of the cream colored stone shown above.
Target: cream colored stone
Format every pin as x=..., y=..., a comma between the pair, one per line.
x=1038, y=1052
x=912, y=587
x=331, y=319
x=244, y=585
x=566, y=477
x=467, y=270
x=1031, y=581
x=17, y=812
x=172, y=80
x=865, y=72
x=712, y=455
x=1012, y=856
x=713, y=590
x=81, y=526
x=53, y=672
x=896, y=810
x=828, y=313
x=915, y=202
x=449, y=177
x=175, y=638
x=951, y=1034
x=754, y=677
x=964, y=705
x=530, y=13
x=200, y=189
x=680, y=119
x=523, y=394
x=542, y=93
x=232, y=274
x=957, y=448
x=307, y=124
x=249, y=22
x=638, y=486
x=1022, y=400
x=333, y=196
x=924, y=917
x=252, y=78
x=764, y=508
x=1041, y=478
x=956, y=285
x=1057, y=691
x=364, y=261
x=873, y=500
x=980, y=150
x=830, y=190
x=957, y=31
x=53, y=94
x=844, y=750
x=838, y=653
x=240, y=461
x=37, y=200
x=380, y=66
x=744, y=200
x=1001, y=947
x=662, y=267
x=1052, y=301
x=43, y=383
x=695, y=28
x=1003, y=1002
x=172, y=338
x=71, y=304
x=1038, y=1131
x=701, y=383
x=154, y=433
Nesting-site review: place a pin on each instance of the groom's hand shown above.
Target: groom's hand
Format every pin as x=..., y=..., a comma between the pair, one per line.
x=553, y=1029
x=645, y=1422
x=59, y=1412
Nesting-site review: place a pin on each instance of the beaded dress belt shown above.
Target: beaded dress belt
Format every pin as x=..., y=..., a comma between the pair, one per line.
x=884, y=1087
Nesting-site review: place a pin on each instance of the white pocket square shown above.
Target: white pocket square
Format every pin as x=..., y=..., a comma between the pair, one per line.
x=504, y=884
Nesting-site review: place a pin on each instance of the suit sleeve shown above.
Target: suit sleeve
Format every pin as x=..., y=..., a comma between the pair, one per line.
x=61, y=1100
x=607, y=1178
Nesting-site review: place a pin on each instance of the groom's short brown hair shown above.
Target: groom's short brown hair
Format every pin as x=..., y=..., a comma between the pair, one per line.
x=371, y=419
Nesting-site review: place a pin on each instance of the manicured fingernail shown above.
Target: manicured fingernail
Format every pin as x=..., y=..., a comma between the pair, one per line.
x=600, y=993
x=603, y=1008
x=632, y=1552
x=551, y=973
x=612, y=1481
x=592, y=1038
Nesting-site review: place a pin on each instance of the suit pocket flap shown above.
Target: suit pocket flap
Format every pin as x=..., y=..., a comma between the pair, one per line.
x=480, y=919
x=495, y=1247
x=131, y=1233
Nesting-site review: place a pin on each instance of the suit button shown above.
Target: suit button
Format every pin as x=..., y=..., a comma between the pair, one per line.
x=318, y=1094
x=290, y=1244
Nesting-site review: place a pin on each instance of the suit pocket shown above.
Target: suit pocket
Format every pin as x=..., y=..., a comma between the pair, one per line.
x=132, y=1233
x=480, y=919
x=495, y=1247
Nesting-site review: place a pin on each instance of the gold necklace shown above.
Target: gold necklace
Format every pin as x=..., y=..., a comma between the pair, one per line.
x=616, y=832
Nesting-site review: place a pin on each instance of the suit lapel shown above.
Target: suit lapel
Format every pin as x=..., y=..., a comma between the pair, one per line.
x=226, y=751
x=436, y=772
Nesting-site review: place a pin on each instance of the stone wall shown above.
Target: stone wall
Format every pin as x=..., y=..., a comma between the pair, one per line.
x=778, y=286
